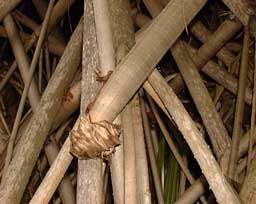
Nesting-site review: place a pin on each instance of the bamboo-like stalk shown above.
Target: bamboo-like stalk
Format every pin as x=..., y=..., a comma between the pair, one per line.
x=221, y=76
x=123, y=40
x=30, y=77
x=163, y=37
x=192, y=194
x=203, y=101
x=212, y=70
x=152, y=157
x=7, y=6
x=173, y=147
x=237, y=128
x=130, y=187
x=225, y=31
x=21, y=166
x=142, y=171
x=56, y=47
x=119, y=82
x=21, y=58
x=96, y=24
x=66, y=190
x=90, y=175
x=203, y=34
x=210, y=168
x=104, y=36
x=58, y=12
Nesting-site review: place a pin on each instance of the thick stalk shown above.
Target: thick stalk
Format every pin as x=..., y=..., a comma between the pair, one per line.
x=142, y=171
x=239, y=113
x=96, y=25
x=130, y=187
x=119, y=86
x=123, y=39
x=162, y=34
x=203, y=101
x=192, y=194
x=21, y=166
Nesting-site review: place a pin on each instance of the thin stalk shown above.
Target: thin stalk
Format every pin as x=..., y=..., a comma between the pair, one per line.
x=25, y=91
x=173, y=147
x=152, y=158
x=219, y=185
x=130, y=188
x=237, y=129
x=142, y=169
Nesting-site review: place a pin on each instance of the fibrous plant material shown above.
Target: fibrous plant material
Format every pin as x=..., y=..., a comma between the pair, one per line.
x=21, y=166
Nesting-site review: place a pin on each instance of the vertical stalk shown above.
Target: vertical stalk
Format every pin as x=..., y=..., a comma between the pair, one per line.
x=239, y=113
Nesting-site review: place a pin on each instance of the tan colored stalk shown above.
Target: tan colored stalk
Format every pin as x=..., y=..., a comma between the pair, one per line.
x=30, y=77
x=173, y=147
x=225, y=31
x=119, y=87
x=152, y=157
x=192, y=194
x=237, y=128
x=123, y=40
x=212, y=69
x=7, y=6
x=142, y=171
x=21, y=58
x=203, y=101
x=66, y=190
x=130, y=187
x=90, y=172
x=210, y=168
x=98, y=16
x=163, y=35
x=104, y=36
x=203, y=34
x=21, y=166
x=221, y=76
x=58, y=12
x=55, y=46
